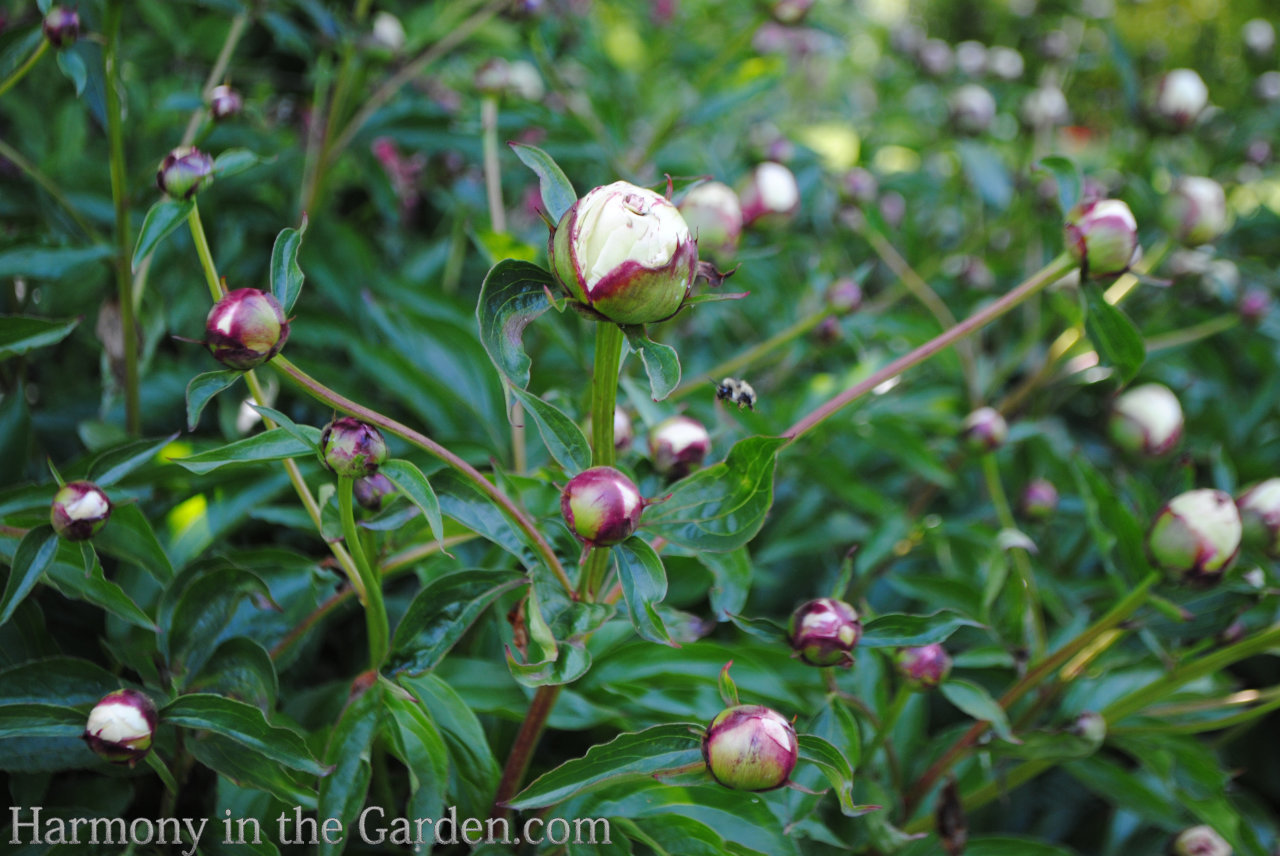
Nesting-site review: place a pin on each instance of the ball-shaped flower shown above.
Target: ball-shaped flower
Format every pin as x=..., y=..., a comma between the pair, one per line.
x=1102, y=236
x=714, y=215
x=184, y=172
x=678, y=445
x=1195, y=211
x=1195, y=537
x=352, y=448
x=923, y=667
x=1146, y=420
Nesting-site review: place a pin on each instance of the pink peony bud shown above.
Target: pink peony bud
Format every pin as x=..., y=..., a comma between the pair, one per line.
x=61, y=27
x=1146, y=420
x=714, y=215
x=80, y=509
x=925, y=667
x=985, y=430
x=1102, y=236
x=225, y=103
x=121, y=726
x=1196, y=535
x=602, y=506
x=825, y=631
x=678, y=446
x=750, y=748
x=246, y=328
x=184, y=172
x=352, y=448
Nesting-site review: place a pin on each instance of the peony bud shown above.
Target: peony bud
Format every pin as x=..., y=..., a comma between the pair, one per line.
x=844, y=296
x=1196, y=535
x=1195, y=212
x=518, y=79
x=1259, y=36
x=678, y=446
x=972, y=108
x=750, y=748
x=1260, y=516
x=1146, y=420
x=971, y=58
x=225, y=103
x=602, y=506
x=626, y=253
x=935, y=57
x=825, y=631
x=388, y=33
x=714, y=215
x=1005, y=63
x=925, y=667
x=1045, y=107
x=246, y=328
x=1091, y=727
x=985, y=430
x=80, y=509
x=352, y=448
x=1254, y=306
x=1039, y=499
x=829, y=331
x=184, y=172
x=1102, y=236
x=790, y=11
x=121, y=726
x=623, y=433
x=370, y=491
x=861, y=186
x=1201, y=841
x=61, y=27
x=1180, y=97
x=769, y=195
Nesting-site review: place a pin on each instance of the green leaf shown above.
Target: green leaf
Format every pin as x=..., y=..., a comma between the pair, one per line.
x=274, y=445
x=234, y=161
x=74, y=583
x=1007, y=846
x=661, y=362
x=128, y=536
x=1120, y=787
x=566, y=626
x=241, y=669
x=557, y=191
x=836, y=768
x=194, y=615
x=311, y=440
x=728, y=689
x=513, y=295
x=248, y=770
x=1067, y=175
x=40, y=720
x=644, y=585
x=1118, y=341
x=162, y=220
x=22, y=333
x=286, y=275
x=442, y=612
x=35, y=553
x=462, y=501
x=898, y=630
x=637, y=754
x=72, y=65
x=414, y=738
x=561, y=435
x=112, y=466
x=987, y=173
x=978, y=703
x=244, y=724
x=66, y=681
x=342, y=794
x=721, y=507
x=202, y=389
x=731, y=572
x=49, y=262
x=406, y=476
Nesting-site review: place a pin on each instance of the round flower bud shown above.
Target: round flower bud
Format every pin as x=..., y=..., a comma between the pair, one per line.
x=861, y=185
x=825, y=631
x=370, y=491
x=829, y=331
x=769, y=194
x=714, y=216
x=985, y=430
x=1180, y=97
x=626, y=253
x=844, y=296
x=1091, y=727
x=184, y=172
x=935, y=57
x=388, y=33
x=1259, y=36
x=925, y=667
x=225, y=103
x=80, y=509
x=518, y=79
x=602, y=506
x=1195, y=211
x=893, y=208
x=971, y=58
x=1005, y=63
x=1146, y=420
x=1254, y=306
x=1260, y=516
x=1039, y=499
x=1201, y=841
x=1045, y=107
x=1102, y=236
x=678, y=446
x=750, y=748
x=973, y=108
x=1196, y=535
x=245, y=329
x=61, y=27
x=623, y=433
x=121, y=726
x=790, y=11
x=352, y=448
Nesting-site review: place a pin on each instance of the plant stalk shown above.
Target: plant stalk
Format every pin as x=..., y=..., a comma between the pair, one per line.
x=21, y=71
x=375, y=611
x=1033, y=620
x=517, y=766
x=216, y=289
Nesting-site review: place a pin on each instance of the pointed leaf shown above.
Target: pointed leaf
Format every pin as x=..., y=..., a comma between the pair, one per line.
x=898, y=630
x=661, y=363
x=234, y=161
x=558, y=194
x=286, y=275
x=836, y=768
x=22, y=333
x=128, y=536
x=513, y=295
x=202, y=389
x=113, y=466
x=406, y=476
x=1067, y=175
x=978, y=703
x=1118, y=341
x=162, y=220
x=442, y=612
x=343, y=793
x=274, y=445
x=35, y=553
x=644, y=585
x=244, y=724
x=413, y=737
x=40, y=720
x=561, y=435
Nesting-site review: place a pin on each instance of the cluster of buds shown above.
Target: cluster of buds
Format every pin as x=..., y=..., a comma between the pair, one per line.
x=750, y=748
x=351, y=448
x=1146, y=420
x=246, y=328
x=80, y=509
x=121, y=727
x=1260, y=516
x=61, y=26
x=1196, y=535
x=1102, y=236
x=184, y=172
x=714, y=215
x=601, y=506
x=824, y=632
x=924, y=667
x=1195, y=211
x=985, y=430
x=678, y=445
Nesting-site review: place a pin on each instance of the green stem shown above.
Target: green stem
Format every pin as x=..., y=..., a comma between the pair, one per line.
x=1194, y=333
x=604, y=398
x=375, y=611
x=891, y=717
x=21, y=71
x=216, y=289
x=120, y=196
x=1032, y=617
x=238, y=25
x=1047, y=275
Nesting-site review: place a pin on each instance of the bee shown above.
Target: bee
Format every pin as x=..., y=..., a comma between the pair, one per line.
x=737, y=392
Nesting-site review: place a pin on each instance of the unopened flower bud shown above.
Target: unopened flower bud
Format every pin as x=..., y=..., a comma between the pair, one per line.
x=1180, y=97
x=388, y=32
x=623, y=432
x=1259, y=36
x=1195, y=211
x=790, y=11
x=1045, y=107
x=714, y=216
x=1267, y=86
x=1102, y=236
x=121, y=726
x=1005, y=63
x=1196, y=536
x=750, y=748
x=925, y=667
x=829, y=331
x=602, y=506
x=1254, y=306
x=352, y=448
x=678, y=446
x=1201, y=841
x=1090, y=726
x=769, y=195
x=893, y=208
x=824, y=632
x=518, y=79
x=225, y=103
x=61, y=27
x=626, y=253
x=184, y=172
x=1260, y=516
x=985, y=430
x=372, y=490
x=80, y=509
x=935, y=57
x=246, y=328
x=844, y=296
x=861, y=186
x=1039, y=499
x=973, y=108
x=971, y=57
x=1146, y=420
